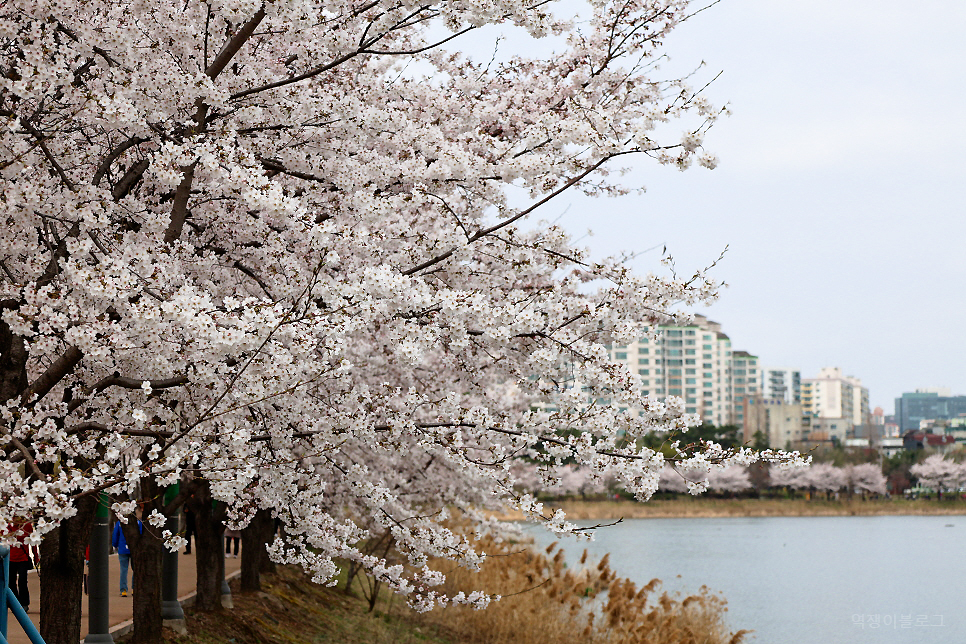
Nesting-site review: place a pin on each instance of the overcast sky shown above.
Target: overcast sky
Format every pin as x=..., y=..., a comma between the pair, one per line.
x=840, y=191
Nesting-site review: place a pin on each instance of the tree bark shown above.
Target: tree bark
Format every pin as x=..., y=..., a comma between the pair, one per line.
x=254, y=556
x=146, y=551
x=209, y=548
x=62, y=575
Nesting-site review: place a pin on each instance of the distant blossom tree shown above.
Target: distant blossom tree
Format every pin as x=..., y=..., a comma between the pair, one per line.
x=866, y=478
x=268, y=246
x=731, y=479
x=683, y=479
x=790, y=477
x=824, y=477
x=939, y=473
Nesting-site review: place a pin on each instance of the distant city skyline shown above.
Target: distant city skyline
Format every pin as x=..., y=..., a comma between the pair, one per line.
x=840, y=189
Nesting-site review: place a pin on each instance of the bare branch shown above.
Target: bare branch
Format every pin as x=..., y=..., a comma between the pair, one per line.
x=114, y=156
x=28, y=457
x=179, y=209
x=54, y=374
x=125, y=383
x=235, y=44
x=486, y=231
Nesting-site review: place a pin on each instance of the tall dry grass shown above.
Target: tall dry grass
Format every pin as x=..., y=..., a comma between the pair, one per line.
x=546, y=602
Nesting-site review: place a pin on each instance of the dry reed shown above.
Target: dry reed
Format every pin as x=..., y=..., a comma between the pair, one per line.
x=544, y=601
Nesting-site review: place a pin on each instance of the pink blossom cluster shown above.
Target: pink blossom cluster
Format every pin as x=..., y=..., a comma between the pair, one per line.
x=244, y=241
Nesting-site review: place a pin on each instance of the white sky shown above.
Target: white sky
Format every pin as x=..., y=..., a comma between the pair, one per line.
x=840, y=191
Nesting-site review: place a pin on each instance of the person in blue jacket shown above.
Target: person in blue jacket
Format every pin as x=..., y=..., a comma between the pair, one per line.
x=123, y=553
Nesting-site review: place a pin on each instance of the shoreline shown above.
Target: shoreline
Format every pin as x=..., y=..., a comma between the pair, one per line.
x=701, y=508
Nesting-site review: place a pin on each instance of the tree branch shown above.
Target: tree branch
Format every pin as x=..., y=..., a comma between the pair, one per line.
x=114, y=156
x=54, y=374
x=126, y=383
x=179, y=210
x=28, y=458
x=486, y=231
x=235, y=44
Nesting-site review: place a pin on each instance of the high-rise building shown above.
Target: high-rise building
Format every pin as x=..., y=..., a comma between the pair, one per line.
x=926, y=404
x=696, y=363
x=780, y=422
x=832, y=395
x=746, y=381
x=781, y=383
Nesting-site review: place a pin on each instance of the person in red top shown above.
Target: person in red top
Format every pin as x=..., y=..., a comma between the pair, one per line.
x=20, y=563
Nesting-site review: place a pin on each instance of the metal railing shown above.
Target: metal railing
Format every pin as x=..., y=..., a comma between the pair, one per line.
x=9, y=600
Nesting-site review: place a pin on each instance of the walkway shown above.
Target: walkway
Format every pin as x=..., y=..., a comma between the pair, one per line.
x=121, y=607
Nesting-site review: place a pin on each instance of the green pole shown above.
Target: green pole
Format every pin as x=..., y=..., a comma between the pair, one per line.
x=171, y=611
x=98, y=582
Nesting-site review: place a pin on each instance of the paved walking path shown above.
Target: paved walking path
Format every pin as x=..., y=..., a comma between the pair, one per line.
x=121, y=607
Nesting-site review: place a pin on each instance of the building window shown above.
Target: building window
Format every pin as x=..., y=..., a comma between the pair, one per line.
x=643, y=372
x=621, y=355
x=642, y=361
x=642, y=350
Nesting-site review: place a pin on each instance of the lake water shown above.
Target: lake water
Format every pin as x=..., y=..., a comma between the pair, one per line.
x=805, y=580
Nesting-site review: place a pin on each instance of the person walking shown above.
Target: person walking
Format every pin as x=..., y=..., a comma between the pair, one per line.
x=20, y=563
x=189, y=529
x=232, y=536
x=123, y=552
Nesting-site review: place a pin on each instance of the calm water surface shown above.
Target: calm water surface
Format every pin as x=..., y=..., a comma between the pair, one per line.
x=806, y=580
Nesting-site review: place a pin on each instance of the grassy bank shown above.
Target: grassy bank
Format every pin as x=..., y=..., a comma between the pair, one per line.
x=695, y=507
x=292, y=610
x=543, y=602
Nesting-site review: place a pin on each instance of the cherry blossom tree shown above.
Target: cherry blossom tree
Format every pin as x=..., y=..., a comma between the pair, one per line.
x=824, y=477
x=939, y=473
x=681, y=480
x=270, y=248
x=731, y=479
x=866, y=478
x=788, y=477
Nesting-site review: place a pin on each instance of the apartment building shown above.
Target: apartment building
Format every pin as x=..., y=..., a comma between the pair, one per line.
x=781, y=383
x=746, y=382
x=779, y=421
x=694, y=362
x=833, y=395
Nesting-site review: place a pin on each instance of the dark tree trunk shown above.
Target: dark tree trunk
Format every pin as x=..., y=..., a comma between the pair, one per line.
x=13, y=363
x=146, y=551
x=209, y=548
x=267, y=566
x=62, y=575
x=255, y=539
